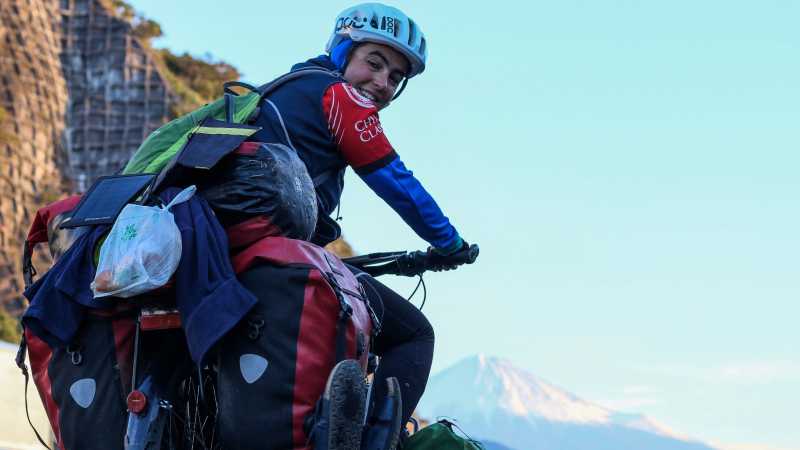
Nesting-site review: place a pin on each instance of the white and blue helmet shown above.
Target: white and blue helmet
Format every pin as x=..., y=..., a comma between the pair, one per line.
x=381, y=24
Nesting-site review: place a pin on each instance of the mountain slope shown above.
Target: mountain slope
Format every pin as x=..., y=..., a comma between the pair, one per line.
x=493, y=400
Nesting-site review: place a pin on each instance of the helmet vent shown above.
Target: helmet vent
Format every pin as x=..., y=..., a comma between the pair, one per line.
x=373, y=21
x=412, y=32
x=422, y=45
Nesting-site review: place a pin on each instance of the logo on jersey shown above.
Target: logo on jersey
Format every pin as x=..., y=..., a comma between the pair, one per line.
x=356, y=96
x=369, y=128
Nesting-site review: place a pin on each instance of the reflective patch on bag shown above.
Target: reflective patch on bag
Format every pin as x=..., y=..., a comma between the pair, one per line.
x=252, y=367
x=82, y=391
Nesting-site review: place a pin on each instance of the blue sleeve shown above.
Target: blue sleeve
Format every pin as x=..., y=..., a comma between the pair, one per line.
x=398, y=187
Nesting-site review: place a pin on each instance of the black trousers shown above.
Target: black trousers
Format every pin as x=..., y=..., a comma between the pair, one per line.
x=404, y=344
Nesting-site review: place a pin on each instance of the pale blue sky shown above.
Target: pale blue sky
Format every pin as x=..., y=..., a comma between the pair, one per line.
x=629, y=170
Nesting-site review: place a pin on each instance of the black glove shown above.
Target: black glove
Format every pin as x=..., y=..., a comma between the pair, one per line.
x=439, y=261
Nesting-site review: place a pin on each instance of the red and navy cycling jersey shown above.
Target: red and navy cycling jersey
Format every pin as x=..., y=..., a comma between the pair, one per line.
x=332, y=126
x=356, y=128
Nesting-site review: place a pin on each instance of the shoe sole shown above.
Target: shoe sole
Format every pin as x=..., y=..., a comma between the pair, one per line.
x=346, y=393
x=393, y=391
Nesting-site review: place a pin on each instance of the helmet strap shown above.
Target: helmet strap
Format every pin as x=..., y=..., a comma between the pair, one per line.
x=402, y=88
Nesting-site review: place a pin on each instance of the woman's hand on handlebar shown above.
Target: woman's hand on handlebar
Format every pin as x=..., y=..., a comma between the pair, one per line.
x=438, y=261
x=411, y=264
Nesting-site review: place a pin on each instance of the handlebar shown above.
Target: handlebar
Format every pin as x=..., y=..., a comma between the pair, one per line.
x=411, y=264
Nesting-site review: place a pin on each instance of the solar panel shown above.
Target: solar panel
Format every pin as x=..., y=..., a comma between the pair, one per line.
x=103, y=202
x=211, y=142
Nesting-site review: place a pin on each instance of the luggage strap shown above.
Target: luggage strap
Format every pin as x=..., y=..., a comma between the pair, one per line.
x=345, y=312
x=268, y=88
x=28, y=271
x=341, y=334
x=341, y=325
x=20, y=360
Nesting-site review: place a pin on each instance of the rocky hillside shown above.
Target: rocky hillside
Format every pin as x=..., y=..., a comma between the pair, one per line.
x=33, y=98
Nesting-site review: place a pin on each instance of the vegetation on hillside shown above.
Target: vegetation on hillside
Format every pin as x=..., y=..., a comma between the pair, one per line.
x=196, y=81
x=143, y=27
x=9, y=327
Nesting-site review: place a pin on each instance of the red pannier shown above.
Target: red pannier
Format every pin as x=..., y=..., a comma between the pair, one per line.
x=273, y=366
x=86, y=382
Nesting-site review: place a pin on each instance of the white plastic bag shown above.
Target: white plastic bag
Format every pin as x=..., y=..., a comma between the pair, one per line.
x=142, y=250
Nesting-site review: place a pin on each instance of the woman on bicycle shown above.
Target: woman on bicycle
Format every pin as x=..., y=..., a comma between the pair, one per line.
x=330, y=117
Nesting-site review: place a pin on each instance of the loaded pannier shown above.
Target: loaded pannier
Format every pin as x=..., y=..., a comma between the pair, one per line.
x=86, y=380
x=272, y=367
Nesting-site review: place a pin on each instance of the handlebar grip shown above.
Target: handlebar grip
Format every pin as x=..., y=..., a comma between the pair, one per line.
x=472, y=253
x=466, y=256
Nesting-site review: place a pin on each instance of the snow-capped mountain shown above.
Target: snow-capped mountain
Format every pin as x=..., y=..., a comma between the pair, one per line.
x=493, y=400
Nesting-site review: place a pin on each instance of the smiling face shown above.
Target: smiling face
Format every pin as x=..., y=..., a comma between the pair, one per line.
x=376, y=71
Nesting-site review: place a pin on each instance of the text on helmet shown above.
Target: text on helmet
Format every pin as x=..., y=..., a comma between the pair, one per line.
x=388, y=24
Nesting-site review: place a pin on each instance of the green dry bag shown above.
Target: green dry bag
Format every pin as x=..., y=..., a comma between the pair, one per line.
x=440, y=436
